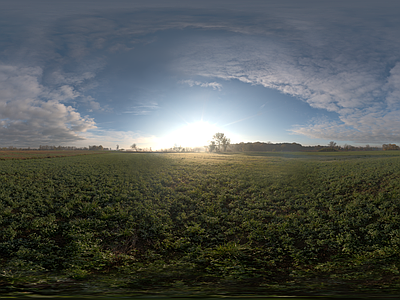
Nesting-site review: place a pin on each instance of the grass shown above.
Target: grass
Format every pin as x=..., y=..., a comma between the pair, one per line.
x=35, y=154
x=201, y=224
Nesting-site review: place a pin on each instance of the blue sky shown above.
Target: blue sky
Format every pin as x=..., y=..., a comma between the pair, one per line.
x=159, y=73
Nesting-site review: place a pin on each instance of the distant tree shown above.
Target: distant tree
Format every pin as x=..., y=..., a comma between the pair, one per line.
x=390, y=147
x=117, y=147
x=225, y=143
x=95, y=147
x=177, y=148
x=332, y=144
x=241, y=147
x=221, y=141
x=212, y=146
x=133, y=146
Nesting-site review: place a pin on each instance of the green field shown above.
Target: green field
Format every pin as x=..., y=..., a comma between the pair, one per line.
x=35, y=154
x=201, y=224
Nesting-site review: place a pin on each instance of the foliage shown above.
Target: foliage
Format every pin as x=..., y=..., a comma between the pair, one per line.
x=219, y=143
x=35, y=154
x=295, y=147
x=386, y=147
x=265, y=221
x=212, y=146
x=332, y=144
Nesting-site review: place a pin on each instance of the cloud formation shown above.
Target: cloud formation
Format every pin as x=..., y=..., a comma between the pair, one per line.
x=142, y=109
x=26, y=118
x=191, y=83
x=338, y=57
x=331, y=67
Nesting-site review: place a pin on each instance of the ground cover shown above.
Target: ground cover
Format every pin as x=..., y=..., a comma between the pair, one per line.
x=293, y=223
x=34, y=154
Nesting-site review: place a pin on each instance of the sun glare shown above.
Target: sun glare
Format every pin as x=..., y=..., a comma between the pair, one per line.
x=191, y=135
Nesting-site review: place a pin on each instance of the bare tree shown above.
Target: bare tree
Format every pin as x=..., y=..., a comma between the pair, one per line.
x=221, y=141
x=133, y=146
x=225, y=143
x=332, y=144
x=212, y=146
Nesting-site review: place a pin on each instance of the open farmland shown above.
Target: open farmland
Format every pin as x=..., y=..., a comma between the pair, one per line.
x=260, y=222
x=35, y=154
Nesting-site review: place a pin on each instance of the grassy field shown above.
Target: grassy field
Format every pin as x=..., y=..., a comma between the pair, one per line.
x=255, y=223
x=35, y=154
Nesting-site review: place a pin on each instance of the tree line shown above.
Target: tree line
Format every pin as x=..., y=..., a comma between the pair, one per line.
x=296, y=147
x=221, y=143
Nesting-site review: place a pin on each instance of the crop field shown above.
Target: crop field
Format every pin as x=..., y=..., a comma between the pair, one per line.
x=261, y=223
x=35, y=154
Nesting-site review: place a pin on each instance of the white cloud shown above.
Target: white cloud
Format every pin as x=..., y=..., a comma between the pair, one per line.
x=191, y=83
x=93, y=105
x=142, y=109
x=316, y=51
x=60, y=77
x=361, y=126
x=28, y=116
x=393, y=87
x=356, y=88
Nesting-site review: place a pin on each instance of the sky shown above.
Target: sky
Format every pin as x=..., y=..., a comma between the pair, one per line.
x=164, y=73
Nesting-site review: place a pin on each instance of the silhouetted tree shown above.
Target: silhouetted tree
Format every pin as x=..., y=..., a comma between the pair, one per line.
x=212, y=146
x=390, y=147
x=332, y=144
x=95, y=147
x=221, y=141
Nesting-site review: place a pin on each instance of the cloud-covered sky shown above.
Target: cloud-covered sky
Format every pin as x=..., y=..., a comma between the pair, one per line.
x=155, y=73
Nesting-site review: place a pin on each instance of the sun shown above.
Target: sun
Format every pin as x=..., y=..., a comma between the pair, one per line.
x=197, y=134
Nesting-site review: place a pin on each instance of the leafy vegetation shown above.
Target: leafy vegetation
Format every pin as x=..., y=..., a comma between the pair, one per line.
x=265, y=222
x=35, y=154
